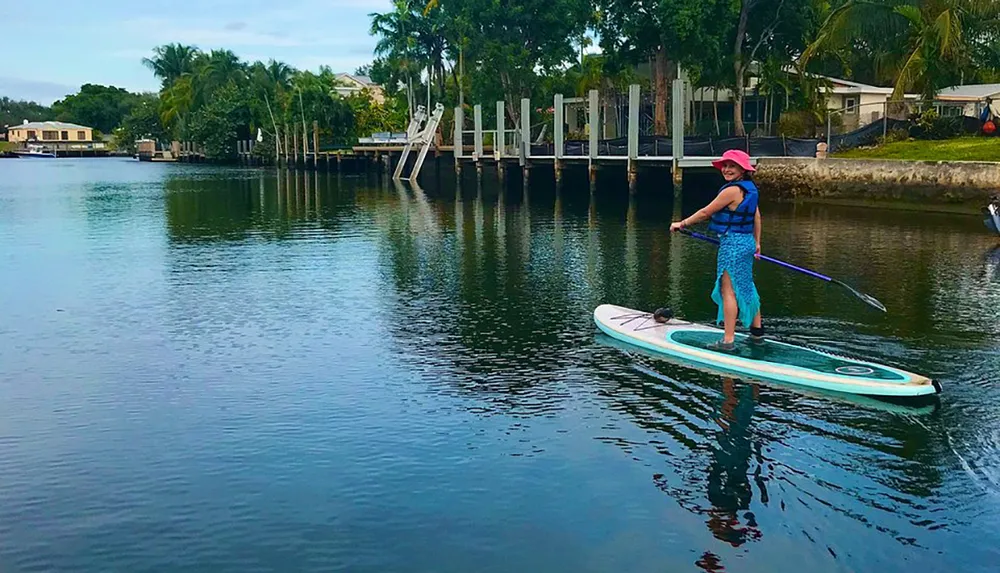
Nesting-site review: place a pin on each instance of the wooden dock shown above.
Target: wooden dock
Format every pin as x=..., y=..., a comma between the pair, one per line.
x=511, y=146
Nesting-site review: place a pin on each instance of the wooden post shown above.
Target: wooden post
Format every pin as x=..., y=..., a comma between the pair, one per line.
x=315, y=144
x=633, y=137
x=633, y=177
x=678, y=99
x=478, y=122
x=525, y=151
x=286, y=145
x=305, y=145
x=295, y=146
x=458, y=140
x=593, y=119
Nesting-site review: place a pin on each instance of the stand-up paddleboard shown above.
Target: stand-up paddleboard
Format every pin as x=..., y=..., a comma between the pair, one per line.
x=772, y=360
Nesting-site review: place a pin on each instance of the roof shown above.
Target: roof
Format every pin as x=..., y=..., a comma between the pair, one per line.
x=842, y=86
x=974, y=92
x=363, y=80
x=49, y=125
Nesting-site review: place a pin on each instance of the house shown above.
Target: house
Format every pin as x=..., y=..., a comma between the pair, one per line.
x=965, y=100
x=351, y=83
x=859, y=104
x=55, y=135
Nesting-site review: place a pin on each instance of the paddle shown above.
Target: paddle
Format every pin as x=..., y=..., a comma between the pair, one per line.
x=865, y=297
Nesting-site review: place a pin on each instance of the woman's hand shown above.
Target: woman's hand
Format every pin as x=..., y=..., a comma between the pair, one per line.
x=676, y=226
x=757, y=252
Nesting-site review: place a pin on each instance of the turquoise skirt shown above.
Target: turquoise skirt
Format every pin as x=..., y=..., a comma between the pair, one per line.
x=736, y=255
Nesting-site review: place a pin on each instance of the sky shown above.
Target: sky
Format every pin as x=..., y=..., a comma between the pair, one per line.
x=55, y=47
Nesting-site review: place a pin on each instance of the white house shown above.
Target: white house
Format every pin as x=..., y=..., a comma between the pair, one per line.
x=965, y=100
x=860, y=104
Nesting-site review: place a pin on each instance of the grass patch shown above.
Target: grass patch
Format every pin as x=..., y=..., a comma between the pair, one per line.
x=958, y=149
x=6, y=146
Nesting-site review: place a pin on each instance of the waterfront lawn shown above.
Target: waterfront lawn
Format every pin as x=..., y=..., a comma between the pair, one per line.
x=958, y=149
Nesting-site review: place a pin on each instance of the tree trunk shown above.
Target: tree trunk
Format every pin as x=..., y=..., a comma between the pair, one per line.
x=461, y=76
x=661, y=69
x=767, y=117
x=701, y=106
x=715, y=109
x=738, y=68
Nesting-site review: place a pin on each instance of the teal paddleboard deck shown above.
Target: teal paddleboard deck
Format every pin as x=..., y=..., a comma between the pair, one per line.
x=772, y=360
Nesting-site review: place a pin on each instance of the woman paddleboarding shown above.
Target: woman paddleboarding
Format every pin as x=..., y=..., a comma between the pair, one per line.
x=734, y=216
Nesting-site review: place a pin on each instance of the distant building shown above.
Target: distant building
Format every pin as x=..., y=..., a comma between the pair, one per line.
x=857, y=103
x=351, y=84
x=965, y=100
x=55, y=135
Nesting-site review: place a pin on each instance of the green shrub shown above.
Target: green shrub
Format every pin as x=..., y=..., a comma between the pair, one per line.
x=797, y=124
x=929, y=125
x=893, y=135
x=805, y=123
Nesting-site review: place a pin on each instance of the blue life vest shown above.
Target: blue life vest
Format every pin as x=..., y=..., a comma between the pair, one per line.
x=741, y=219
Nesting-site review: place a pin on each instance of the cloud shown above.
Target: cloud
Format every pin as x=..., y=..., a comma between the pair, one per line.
x=232, y=35
x=159, y=30
x=42, y=92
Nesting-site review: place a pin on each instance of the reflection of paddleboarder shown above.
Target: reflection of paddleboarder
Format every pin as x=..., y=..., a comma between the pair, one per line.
x=992, y=263
x=729, y=489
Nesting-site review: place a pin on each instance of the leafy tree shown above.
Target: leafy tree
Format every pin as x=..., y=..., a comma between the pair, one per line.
x=914, y=44
x=371, y=117
x=13, y=112
x=143, y=122
x=768, y=29
x=510, y=44
x=667, y=32
x=217, y=125
x=100, y=107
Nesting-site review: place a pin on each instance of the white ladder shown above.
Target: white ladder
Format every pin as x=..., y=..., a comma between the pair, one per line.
x=412, y=133
x=425, y=138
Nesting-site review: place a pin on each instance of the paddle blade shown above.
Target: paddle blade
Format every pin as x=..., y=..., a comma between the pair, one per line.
x=865, y=297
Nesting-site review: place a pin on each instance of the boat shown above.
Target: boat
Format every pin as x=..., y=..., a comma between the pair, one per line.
x=35, y=151
x=771, y=360
x=991, y=214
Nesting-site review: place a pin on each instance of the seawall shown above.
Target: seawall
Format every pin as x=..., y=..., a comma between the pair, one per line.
x=932, y=184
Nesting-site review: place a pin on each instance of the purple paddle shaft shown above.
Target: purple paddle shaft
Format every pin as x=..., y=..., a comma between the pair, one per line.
x=764, y=257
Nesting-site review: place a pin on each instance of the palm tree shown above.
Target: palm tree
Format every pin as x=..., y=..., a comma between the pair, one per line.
x=170, y=62
x=219, y=68
x=397, y=43
x=932, y=37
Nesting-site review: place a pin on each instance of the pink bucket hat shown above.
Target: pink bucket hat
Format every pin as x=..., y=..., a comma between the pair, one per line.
x=736, y=156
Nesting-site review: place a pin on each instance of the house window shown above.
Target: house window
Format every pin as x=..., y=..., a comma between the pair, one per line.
x=50, y=135
x=850, y=105
x=31, y=134
x=65, y=136
x=81, y=135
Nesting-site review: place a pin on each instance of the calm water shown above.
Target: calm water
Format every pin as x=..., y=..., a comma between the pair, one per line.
x=217, y=370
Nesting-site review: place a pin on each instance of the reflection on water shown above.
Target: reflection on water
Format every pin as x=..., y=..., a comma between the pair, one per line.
x=259, y=370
